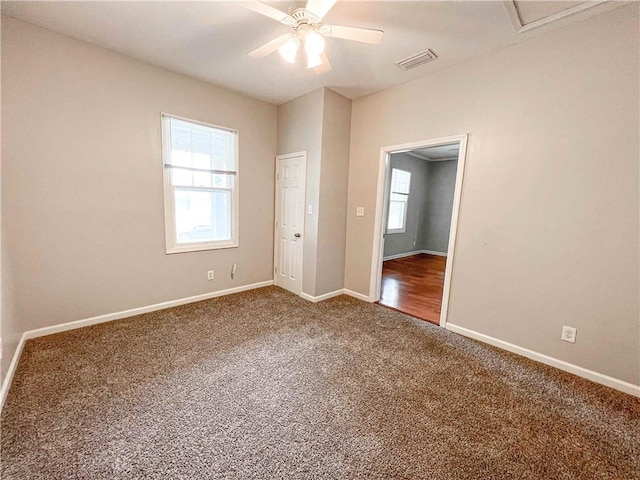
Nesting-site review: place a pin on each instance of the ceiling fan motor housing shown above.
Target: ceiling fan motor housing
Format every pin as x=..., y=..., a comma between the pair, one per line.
x=305, y=17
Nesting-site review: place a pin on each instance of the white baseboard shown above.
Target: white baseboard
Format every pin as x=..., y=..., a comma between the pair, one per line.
x=63, y=327
x=335, y=293
x=562, y=365
x=357, y=295
x=415, y=252
x=432, y=252
x=12, y=370
x=402, y=255
x=320, y=298
x=600, y=378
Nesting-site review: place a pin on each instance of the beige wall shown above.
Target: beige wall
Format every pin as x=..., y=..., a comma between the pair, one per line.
x=82, y=180
x=300, y=129
x=319, y=123
x=9, y=331
x=9, y=328
x=548, y=228
x=336, y=129
x=548, y=231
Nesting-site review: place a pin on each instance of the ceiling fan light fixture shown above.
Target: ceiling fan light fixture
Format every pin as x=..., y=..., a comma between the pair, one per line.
x=289, y=50
x=313, y=61
x=313, y=44
x=307, y=30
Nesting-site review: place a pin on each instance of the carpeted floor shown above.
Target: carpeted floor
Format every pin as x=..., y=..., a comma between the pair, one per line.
x=263, y=384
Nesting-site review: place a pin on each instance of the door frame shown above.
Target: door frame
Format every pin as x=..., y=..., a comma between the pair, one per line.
x=276, y=211
x=380, y=220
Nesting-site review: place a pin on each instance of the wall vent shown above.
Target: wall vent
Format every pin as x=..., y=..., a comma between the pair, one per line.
x=416, y=60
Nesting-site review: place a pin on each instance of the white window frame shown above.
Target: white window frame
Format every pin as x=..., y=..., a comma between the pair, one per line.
x=403, y=229
x=169, y=197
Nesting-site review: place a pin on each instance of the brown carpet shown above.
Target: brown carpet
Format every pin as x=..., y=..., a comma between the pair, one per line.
x=263, y=384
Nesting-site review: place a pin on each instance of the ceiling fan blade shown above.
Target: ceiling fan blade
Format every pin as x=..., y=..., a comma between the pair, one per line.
x=320, y=7
x=324, y=67
x=364, y=35
x=270, y=47
x=268, y=11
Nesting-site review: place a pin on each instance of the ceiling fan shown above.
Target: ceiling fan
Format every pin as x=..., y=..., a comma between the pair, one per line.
x=308, y=30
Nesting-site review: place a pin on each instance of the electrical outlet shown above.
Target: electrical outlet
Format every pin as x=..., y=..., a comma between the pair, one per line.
x=233, y=270
x=568, y=334
x=210, y=275
x=359, y=211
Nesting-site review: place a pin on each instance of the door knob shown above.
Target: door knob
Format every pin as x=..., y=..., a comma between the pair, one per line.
x=297, y=235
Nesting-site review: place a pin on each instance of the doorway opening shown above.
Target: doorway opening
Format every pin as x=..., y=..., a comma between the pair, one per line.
x=419, y=192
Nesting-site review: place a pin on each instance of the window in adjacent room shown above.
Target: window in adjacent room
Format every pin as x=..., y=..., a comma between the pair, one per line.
x=200, y=185
x=399, y=196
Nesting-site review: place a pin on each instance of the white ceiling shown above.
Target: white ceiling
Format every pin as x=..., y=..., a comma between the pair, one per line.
x=437, y=154
x=209, y=40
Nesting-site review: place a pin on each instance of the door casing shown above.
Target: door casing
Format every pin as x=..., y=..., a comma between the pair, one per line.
x=277, y=219
x=380, y=220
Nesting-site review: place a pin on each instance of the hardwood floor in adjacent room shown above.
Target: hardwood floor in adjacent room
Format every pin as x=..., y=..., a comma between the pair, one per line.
x=413, y=285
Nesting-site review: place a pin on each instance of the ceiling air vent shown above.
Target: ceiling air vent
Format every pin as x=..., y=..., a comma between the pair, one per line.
x=416, y=60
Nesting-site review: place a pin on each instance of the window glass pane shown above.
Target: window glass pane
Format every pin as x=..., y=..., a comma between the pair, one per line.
x=222, y=181
x=200, y=160
x=202, y=179
x=194, y=178
x=396, y=215
x=202, y=216
x=222, y=152
x=182, y=177
x=399, y=197
x=200, y=146
x=181, y=158
x=180, y=137
x=400, y=181
x=202, y=198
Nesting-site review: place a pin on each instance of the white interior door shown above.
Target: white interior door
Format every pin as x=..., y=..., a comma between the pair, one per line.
x=291, y=174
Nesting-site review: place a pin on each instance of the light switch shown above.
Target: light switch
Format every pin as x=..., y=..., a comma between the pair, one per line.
x=310, y=210
x=359, y=211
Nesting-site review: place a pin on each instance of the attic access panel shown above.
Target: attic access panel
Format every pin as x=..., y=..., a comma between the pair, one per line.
x=527, y=15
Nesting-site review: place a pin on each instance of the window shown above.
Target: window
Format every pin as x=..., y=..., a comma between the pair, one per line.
x=200, y=185
x=398, y=198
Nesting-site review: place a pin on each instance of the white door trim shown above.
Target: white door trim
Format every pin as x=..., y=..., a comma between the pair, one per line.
x=276, y=257
x=380, y=215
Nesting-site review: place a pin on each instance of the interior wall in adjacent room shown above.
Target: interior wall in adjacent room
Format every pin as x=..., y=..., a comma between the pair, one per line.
x=411, y=239
x=436, y=219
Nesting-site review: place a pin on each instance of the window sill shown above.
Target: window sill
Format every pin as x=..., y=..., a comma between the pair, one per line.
x=199, y=247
